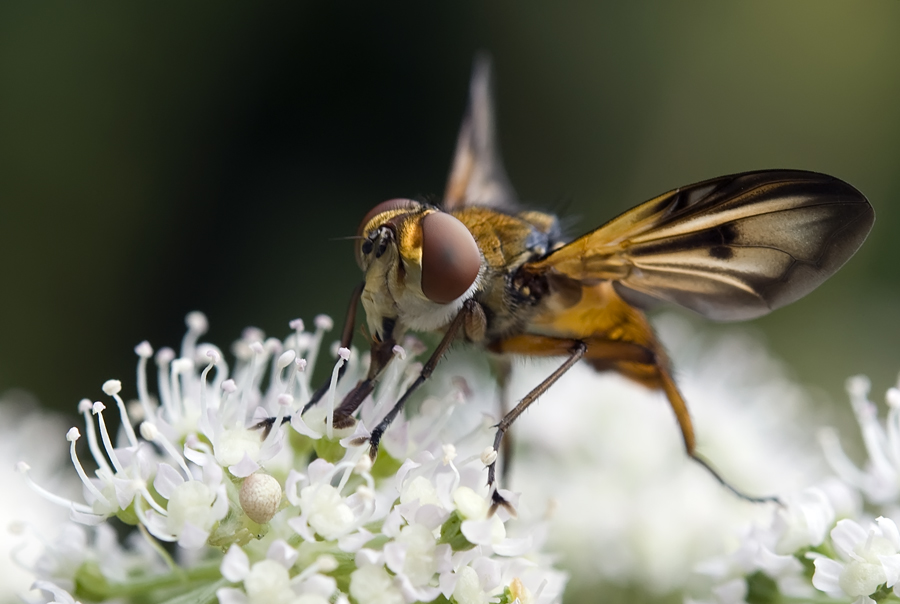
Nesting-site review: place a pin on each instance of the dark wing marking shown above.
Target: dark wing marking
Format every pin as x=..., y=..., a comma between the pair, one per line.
x=730, y=248
x=477, y=176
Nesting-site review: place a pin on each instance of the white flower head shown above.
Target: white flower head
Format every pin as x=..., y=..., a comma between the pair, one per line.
x=223, y=459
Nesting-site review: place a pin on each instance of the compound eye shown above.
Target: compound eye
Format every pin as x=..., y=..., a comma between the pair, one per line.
x=450, y=258
x=386, y=206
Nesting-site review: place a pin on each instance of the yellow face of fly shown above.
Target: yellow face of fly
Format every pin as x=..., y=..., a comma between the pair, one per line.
x=421, y=264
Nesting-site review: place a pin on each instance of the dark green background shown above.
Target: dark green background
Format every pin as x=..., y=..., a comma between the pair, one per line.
x=160, y=158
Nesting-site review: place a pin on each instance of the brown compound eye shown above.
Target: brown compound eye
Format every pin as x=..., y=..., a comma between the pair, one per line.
x=450, y=258
x=386, y=206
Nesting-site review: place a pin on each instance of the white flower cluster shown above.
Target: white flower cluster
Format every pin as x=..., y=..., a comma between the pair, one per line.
x=840, y=537
x=264, y=506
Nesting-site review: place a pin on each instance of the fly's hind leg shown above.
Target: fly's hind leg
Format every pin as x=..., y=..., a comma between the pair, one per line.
x=503, y=368
x=668, y=386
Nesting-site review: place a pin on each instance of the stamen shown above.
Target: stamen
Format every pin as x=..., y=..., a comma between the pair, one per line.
x=179, y=366
x=72, y=436
x=285, y=360
x=302, y=382
x=343, y=355
x=197, y=324
x=323, y=323
x=163, y=358
x=144, y=352
x=284, y=403
x=112, y=388
x=85, y=407
x=214, y=357
x=24, y=468
x=104, y=435
x=150, y=432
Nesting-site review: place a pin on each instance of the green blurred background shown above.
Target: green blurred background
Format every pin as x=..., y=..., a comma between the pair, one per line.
x=166, y=157
x=156, y=159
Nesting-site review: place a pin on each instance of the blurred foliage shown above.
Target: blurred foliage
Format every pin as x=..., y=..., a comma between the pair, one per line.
x=158, y=158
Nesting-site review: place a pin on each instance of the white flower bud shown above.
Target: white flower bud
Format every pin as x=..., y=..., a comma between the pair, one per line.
x=260, y=497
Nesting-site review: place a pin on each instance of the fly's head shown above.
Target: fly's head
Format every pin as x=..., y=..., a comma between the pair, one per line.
x=421, y=265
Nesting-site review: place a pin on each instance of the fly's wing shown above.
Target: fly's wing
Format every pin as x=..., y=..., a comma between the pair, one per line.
x=730, y=248
x=477, y=176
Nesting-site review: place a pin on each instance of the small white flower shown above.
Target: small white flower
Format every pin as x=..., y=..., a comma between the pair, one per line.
x=870, y=558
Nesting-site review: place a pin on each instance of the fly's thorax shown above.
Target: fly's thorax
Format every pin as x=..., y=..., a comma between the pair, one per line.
x=421, y=265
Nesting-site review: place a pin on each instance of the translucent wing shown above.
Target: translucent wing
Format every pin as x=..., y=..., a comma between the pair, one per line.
x=477, y=176
x=730, y=248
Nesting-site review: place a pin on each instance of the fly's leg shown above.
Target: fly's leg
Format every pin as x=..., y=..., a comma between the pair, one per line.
x=576, y=353
x=668, y=386
x=503, y=367
x=427, y=369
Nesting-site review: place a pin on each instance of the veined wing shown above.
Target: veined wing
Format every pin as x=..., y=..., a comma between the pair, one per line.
x=730, y=248
x=477, y=176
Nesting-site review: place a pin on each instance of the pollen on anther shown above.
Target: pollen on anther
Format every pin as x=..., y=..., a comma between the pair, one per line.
x=229, y=386
x=164, y=356
x=85, y=405
x=399, y=352
x=324, y=322
x=214, y=356
x=297, y=325
x=98, y=407
x=144, y=350
x=344, y=353
x=301, y=364
x=286, y=359
x=149, y=431
x=197, y=322
x=112, y=387
x=285, y=399
x=257, y=348
x=73, y=434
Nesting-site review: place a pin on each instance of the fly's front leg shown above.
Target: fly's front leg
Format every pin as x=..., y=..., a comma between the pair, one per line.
x=470, y=309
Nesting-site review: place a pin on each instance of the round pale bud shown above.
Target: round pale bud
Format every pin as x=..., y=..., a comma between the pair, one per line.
x=260, y=497
x=450, y=258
